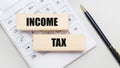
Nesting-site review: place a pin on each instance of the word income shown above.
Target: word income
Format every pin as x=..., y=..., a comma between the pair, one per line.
x=41, y=21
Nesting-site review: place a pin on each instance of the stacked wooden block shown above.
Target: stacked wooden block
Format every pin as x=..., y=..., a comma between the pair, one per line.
x=50, y=42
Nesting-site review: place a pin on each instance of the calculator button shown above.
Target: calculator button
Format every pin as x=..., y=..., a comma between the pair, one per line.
x=23, y=39
x=65, y=9
x=28, y=33
x=59, y=3
x=42, y=1
x=71, y=19
x=37, y=12
x=75, y=29
x=30, y=7
x=20, y=11
x=15, y=32
x=10, y=22
x=48, y=9
x=28, y=48
x=34, y=56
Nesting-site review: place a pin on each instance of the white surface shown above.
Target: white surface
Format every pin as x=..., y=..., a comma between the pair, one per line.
x=41, y=60
x=4, y=4
x=105, y=12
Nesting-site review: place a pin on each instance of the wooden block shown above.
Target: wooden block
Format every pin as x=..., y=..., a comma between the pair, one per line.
x=53, y=42
x=39, y=22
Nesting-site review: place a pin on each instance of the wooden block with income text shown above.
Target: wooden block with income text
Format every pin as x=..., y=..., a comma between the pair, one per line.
x=42, y=22
x=58, y=42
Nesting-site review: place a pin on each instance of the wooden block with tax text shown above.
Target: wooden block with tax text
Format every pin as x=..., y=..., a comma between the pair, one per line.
x=42, y=22
x=53, y=42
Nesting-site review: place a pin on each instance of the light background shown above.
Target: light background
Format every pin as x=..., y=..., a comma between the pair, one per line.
x=107, y=15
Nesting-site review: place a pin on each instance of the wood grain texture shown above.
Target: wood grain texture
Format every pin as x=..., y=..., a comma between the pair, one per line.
x=62, y=22
x=44, y=42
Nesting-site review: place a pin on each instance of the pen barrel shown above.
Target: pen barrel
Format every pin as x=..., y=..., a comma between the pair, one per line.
x=99, y=31
x=103, y=37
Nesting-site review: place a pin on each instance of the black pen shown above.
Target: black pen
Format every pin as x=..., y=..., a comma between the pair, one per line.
x=101, y=34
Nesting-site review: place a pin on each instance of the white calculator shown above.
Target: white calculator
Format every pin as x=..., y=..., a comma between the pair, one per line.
x=23, y=40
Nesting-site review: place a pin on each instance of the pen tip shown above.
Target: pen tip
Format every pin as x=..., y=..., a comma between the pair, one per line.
x=118, y=51
x=83, y=9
